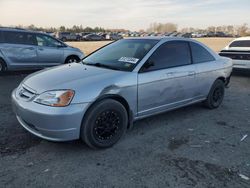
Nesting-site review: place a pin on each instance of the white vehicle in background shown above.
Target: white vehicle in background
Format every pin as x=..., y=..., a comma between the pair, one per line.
x=239, y=51
x=198, y=35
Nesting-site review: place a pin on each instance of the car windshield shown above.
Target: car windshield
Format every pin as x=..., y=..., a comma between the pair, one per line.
x=121, y=55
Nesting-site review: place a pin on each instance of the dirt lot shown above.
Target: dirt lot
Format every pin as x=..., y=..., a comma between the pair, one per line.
x=189, y=147
x=215, y=43
x=88, y=47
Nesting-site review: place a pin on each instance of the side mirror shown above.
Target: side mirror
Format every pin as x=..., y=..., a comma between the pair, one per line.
x=147, y=65
x=60, y=46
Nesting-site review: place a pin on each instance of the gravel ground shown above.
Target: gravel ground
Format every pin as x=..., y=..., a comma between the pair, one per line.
x=189, y=147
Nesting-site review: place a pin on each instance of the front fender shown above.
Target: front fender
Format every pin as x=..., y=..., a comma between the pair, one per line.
x=70, y=52
x=120, y=99
x=120, y=84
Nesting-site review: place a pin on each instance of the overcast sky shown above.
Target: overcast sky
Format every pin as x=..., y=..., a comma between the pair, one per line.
x=128, y=14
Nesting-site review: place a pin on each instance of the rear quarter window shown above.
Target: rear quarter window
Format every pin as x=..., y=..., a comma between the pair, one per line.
x=240, y=43
x=200, y=54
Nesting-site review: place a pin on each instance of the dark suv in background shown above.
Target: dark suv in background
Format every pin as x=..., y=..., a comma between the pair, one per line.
x=68, y=36
x=24, y=49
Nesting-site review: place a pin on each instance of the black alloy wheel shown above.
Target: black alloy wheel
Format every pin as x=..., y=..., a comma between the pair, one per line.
x=216, y=95
x=104, y=124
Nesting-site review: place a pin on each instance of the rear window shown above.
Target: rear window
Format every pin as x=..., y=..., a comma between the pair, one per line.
x=240, y=43
x=19, y=38
x=200, y=54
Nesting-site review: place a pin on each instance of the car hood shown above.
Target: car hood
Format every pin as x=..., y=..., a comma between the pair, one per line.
x=71, y=48
x=74, y=48
x=71, y=76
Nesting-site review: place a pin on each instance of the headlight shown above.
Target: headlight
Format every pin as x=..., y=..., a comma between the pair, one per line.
x=55, y=98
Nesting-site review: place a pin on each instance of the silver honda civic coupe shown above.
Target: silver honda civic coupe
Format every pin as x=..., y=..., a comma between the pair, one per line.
x=97, y=99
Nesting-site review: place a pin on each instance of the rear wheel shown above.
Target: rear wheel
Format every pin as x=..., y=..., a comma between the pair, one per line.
x=2, y=66
x=216, y=95
x=104, y=124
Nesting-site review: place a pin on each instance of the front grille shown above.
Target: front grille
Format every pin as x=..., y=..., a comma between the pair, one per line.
x=234, y=55
x=25, y=93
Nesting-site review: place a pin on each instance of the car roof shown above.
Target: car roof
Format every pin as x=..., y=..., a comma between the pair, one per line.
x=162, y=38
x=17, y=29
x=242, y=38
x=11, y=28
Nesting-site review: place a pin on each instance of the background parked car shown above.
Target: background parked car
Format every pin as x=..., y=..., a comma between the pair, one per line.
x=113, y=36
x=93, y=37
x=172, y=34
x=53, y=34
x=24, y=49
x=84, y=34
x=221, y=34
x=239, y=51
x=211, y=34
x=198, y=35
x=68, y=36
x=187, y=35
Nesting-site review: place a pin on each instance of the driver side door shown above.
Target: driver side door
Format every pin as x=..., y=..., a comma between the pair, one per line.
x=167, y=79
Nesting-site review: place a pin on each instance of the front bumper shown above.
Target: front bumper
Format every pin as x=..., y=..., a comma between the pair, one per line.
x=50, y=123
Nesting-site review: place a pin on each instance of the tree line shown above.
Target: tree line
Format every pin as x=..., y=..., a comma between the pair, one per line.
x=241, y=30
x=74, y=28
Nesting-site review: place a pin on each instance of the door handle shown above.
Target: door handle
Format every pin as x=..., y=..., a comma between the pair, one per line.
x=167, y=75
x=191, y=73
x=170, y=73
x=30, y=48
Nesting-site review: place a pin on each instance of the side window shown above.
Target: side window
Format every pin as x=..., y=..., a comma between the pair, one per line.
x=1, y=37
x=31, y=40
x=200, y=54
x=170, y=54
x=43, y=40
x=19, y=38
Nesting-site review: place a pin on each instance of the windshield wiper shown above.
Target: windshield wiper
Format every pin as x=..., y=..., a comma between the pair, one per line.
x=102, y=65
x=85, y=63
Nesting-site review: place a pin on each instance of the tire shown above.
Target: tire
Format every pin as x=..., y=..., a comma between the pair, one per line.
x=97, y=131
x=72, y=59
x=64, y=39
x=2, y=67
x=216, y=95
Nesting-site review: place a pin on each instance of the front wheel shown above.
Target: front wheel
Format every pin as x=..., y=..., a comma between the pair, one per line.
x=104, y=124
x=216, y=95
